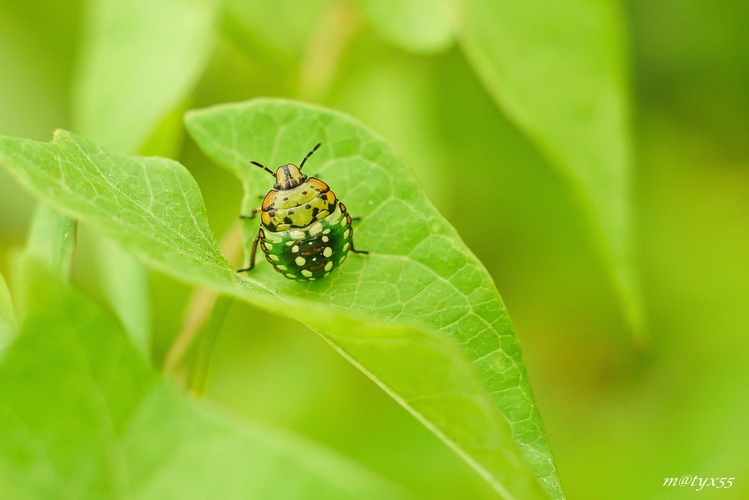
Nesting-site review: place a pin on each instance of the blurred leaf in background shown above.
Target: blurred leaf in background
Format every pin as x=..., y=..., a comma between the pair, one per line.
x=559, y=71
x=415, y=25
x=102, y=423
x=138, y=61
x=37, y=44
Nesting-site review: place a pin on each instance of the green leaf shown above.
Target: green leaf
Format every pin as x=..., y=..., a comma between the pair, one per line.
x=419, y=315
x=84, y=416
x=417, y=25
x=139, y=61
x=151, y=206
x=559, y=71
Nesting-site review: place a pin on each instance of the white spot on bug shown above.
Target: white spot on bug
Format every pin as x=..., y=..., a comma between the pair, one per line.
x=328, y=266
x=343, y=257
x=268, y=244
x=345, y=247
x=346, y=233
x=273, y=257
x=325, y=239
x=289, y=275
x=326, y=274
x=327, y=231
x=300, y=261
x=289, y=243
x=295, y=249
x=307, y=273
x=315, y=228
x=297, y=234
x=281, y=267
x=327, y=252
x=343, y=222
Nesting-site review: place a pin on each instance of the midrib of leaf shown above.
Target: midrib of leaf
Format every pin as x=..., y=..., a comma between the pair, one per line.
x=411, y=404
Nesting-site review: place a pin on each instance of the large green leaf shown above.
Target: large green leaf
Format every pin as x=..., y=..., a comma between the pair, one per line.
x=558, y=69
x=83, y=416
x=419, y=314
x=419, y=272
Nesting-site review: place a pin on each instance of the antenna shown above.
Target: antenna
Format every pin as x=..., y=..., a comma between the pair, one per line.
x=309, y=154
x=264, y=167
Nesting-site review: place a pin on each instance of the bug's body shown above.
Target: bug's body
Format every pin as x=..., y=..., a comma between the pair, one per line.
x=305, y=231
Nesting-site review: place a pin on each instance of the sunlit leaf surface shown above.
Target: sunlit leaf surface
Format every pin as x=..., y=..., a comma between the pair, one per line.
x=419, y=314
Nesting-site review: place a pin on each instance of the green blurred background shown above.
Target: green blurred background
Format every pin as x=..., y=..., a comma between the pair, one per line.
x=619, y=419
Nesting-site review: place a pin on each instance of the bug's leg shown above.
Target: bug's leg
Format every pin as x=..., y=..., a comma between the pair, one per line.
x=252, y=213
x=252, y=256
x=353, y=249
x=349, y=220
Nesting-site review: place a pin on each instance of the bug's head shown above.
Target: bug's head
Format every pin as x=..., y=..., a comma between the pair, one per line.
x=288, y=176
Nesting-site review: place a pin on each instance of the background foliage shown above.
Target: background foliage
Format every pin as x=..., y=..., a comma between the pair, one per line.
x=634, y=383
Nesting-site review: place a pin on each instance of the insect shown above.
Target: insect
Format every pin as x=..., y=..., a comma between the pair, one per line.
x=305, y=230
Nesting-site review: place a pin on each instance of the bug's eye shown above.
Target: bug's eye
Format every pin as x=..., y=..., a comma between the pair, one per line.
x=275, y=185
x=304, y=177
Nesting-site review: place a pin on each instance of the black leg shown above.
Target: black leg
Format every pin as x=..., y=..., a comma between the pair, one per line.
x=252, y=213
x=352, y=244
x=252, y=256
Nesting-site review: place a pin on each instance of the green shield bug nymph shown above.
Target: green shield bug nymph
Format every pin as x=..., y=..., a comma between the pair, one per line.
x=305, y=230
